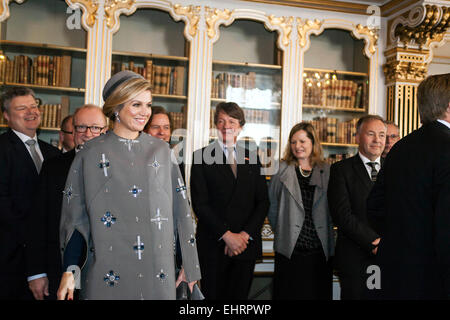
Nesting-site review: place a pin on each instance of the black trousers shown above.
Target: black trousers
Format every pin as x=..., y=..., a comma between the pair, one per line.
x=225, y=278
x=306, y=276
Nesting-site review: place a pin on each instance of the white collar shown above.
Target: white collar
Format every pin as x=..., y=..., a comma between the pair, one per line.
x=223, y=146
x=365, y=159
x=24, y=137
x=445, y=123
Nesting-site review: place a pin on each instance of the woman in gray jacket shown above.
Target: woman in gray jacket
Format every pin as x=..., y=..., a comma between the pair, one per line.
x=300, y=218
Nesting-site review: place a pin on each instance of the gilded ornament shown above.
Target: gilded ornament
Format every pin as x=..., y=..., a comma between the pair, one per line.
x=214, y=15
x=431, y=28
x=372, y=33
x=4, y=8
x=405, y=71
x=303, y=28
x=285, y=24
x=111, y=8
x=193, y=15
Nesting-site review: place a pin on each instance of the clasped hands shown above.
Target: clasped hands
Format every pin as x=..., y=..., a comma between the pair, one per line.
x=235, y=243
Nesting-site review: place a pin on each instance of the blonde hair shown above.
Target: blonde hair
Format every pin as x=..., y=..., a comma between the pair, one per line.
x=122, y=94
x=316, y=154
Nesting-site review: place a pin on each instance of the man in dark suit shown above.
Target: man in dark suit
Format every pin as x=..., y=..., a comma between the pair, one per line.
x=44, y=268
x=230, y=200
x=21, y=157
x=350, y=183
x=410, y=203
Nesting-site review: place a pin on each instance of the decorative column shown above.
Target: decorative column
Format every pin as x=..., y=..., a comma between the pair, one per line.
x=101, y=20
x=411, y=37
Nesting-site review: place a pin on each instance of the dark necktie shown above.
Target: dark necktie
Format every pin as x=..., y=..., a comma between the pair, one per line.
x=34, y=155
x=374, y=172
x=232, y=161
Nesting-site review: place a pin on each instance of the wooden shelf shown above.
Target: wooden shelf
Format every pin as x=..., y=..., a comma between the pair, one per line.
x=317, y=107
x=41, y=87
x=349, y=73
x=246, y=64
x=332, y=144
x=168, y=96
x=40, y=46
x=148, y=55
x=277, y=104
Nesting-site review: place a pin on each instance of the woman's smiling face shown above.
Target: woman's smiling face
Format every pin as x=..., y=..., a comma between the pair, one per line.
x=134, y=115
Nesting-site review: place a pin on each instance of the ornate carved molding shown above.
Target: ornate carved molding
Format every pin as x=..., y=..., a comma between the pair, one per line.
x=405, y=71
x=420, y=27
x=405, y=65
x=305, y=28
x=372, y=34
x=4, y=8
x=110, y=8
x=212, y=17
x=113, y=8
x=192, y=13
x=285, y=24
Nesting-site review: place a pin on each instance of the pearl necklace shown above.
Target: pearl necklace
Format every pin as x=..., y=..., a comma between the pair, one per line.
x=305, y=173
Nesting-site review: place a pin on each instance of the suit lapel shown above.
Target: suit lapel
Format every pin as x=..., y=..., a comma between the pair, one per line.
x=220, y=161
x=20, y=148
x=289, y=178
x=361, y=172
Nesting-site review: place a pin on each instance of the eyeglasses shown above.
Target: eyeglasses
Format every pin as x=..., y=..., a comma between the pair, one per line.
x=83, y=129
x=392, y=136
x=68, y=132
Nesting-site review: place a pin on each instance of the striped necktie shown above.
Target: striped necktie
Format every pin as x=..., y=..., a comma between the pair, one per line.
x=34, y=155
x=374, y=172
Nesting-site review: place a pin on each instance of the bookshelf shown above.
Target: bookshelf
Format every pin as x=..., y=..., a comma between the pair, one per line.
x=161, y=58
x=248, y=76
x=335, y=91
x=47, y=57
x=256, y=88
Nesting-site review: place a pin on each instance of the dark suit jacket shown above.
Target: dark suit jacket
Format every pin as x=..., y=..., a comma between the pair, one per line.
x=410, y=205
x=222, y=203
x=43, y=253
x=18, y=183
x=348, y=189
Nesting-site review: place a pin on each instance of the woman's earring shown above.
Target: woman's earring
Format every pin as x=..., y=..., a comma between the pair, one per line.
x=116, y=115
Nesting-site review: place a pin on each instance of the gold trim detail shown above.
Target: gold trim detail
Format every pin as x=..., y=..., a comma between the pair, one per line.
x=193, y=15
x=304, y=27
x=405, y=71
x=214, y=15
x=111, y=7
x=372, y=33
x=285, y=24
x=431, y=28
x=4, y=7
x=90, y=9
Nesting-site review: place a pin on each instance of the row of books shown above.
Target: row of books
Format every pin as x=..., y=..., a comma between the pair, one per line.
x=179, y=118
x=333, y=158
x=40, y=70
x=223, y=80
x=52, y=115
x=335, y=93
x=166, y=80
x=331, y=130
